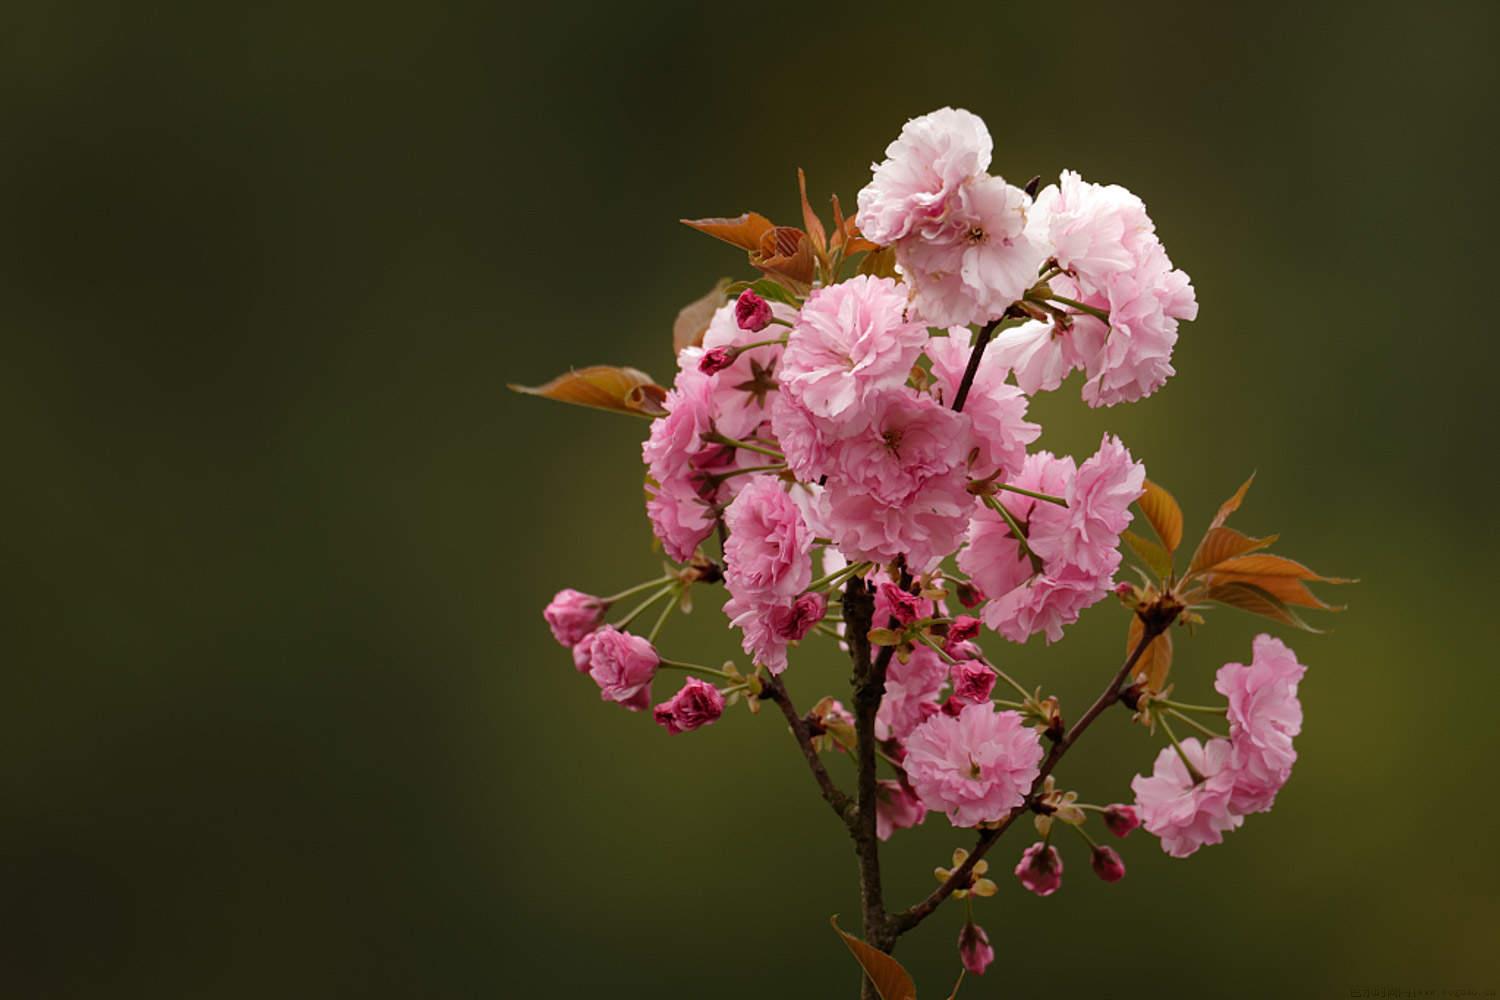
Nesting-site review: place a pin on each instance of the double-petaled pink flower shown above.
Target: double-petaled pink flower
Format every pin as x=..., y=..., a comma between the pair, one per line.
x=1264, y=716
x=621, y=664
x=694, y=706
x=975, y=767
x=1187, y=813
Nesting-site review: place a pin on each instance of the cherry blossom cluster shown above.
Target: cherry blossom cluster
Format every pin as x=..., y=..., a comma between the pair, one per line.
x=856, y=435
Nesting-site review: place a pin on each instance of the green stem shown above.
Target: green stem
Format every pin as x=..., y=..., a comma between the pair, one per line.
x=637, y=589
x=697, y=668
x=1084, y=834
x=837, y=576
x=1193, y=772
x=721, y=476
x=661, y=619
x=929, y=641
x=1211, y=710
x=718, y=438
x=1092, y=311
x=1007, y=678
x=1007, y=704
x=762, y=343
x=635, y=612
x=1029, y=493
x=1195, y=724
x=1015, y=528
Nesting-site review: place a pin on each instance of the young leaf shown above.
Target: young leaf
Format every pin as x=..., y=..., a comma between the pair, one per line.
x=1258, y=601
x=1153, y=555
x=1233, y=503
x=884, y=637
x=1156, y=662
x=604, y=387
x=810, y=218
x=1223, y=543
x=692, y=320
x=766, y=288
x=786, y=253
x=880, y=263
x=890, y=980
x=1266, y=564
x=743, y=231
x=1165, y=516
x=1288, y=588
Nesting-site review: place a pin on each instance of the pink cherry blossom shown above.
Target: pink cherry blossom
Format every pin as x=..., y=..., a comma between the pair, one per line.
x=896, y=808
x=901, y=605
x=793, y=621
x=1094, y=230
x=573, y=615
x=974, y=949
x=677, y=438
x=925, y=528
x=995, y=410
x=907, y=440
x=1040, y=354
x=980, y=263
x=768, y=551
x=1264, y=716
x=621, y=664
x=742, y=393
x=1184, y=814
x=972, y=681
x=805, y=444
x=912, y=690
x=851, y=339
x=1040, y=868
x=1085, y=535
x=1107, y=864
x=924, y=168
x=679, y=516
x=975, y=767
x=697, y=704
x=1145, y=306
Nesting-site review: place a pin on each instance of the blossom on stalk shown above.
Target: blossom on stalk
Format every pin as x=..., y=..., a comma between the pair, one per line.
x=972, y=681
x=697, y=704
x=975, y=767
x=1107, y=863
x=621, y=664
x=1121, y=819
x=573, y=615
x=1185, y=813
x=912, y=690
x=768, y=551
x=911, y=190
x=974, y=948
x=1264, y=716
x=896, y=808
x=1040, y=868
x=995, y=410
x=752, y=312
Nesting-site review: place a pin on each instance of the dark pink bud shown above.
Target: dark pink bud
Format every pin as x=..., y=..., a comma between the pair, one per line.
x=963, y=628
x=902, y=606
x=796, y=621
x=969, y=595
x=752, y=312
x=695, y=706
x=1107, y=864
x=1121, y=819
x=972, y=681
x=716, y=360
x=573, y=615
x=1040, y=869
x=974, y=948
x=1124, y=590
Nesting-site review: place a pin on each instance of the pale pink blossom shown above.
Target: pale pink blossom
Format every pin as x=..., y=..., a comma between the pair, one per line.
x=912, y=690
x=972, y=680
x=1094, y=230
x=896, y=808
x=980, y=263
x=679, y=516
x=676, y=438
x=850, y=339
x=768, y=551
x=1040, y=354
x=924, y=168
x=974, y=949
x=697, y=704
x=1264, y=716
x=975, y=767
x=995, y=410
x=1107, y=863
x=1044, y=604
x=621, y=664
x=1040, y=868
x=1145, y=305
x=926, y=527
x=742, y=393
x=907, y=440
x=757, y=619
x=806, y=445
x=573, y=615
x=1186, y=814
x=1085, y=535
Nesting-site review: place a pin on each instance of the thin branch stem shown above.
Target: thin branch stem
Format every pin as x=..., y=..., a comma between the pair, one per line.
x=836, y=799
x=718, y=438
x=696, y=668
x=1182, y=706
x=975, y=356
x=1097, y=313
x=661, y=620
x=1192, y=771
x=637, y=589
x=1195, y=724
x=636, y=611
x=1029, y=493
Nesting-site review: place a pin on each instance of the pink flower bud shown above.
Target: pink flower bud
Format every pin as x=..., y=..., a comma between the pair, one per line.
x=696, y=705
x=972, y=681
x=573, y=615
x=969, y=595
x=794, y=622
x=1107, y=864
x=974, y=948
x=716, y=360
x=1040, y=869
x=1125, y=591
x=621, y=664
x=904, y=607
x=963, y=628
x=1121, y=819
x=752, y=312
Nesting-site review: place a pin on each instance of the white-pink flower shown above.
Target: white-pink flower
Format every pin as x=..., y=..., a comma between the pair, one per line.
x=679, y=515
x=850, y=340
x=995, y=410
x=1094, y=230
x=907, y=440
x=1085, y=535
x=1184, y=814
x=1264, y=716
x=1145, y=305
x=912, y=690
x=975, y=767
x=924, y=167
x=677, y=438
x=925, y=528
x=980, y=263
x=1040, y=354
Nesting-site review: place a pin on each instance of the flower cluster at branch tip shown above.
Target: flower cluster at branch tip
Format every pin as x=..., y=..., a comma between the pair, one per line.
x=875, y=425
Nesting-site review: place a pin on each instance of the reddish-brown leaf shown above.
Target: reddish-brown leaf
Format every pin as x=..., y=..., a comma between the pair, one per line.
x=891, y=981
x=838, y=225
x=1256, y=600
x=786, y=253
x=1266, y=564
x=1288, y=589
x=604, y=387
x=1232, y=504
x=1156, y=662
x=692, y=320
x=810, y=220
x=1161, y=509
x=744, y=231
x=1223, y=543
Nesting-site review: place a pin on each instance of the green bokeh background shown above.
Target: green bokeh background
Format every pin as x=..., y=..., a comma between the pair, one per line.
x=280, y=715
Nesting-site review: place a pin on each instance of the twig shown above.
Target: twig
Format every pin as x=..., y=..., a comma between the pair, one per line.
x=836, y=799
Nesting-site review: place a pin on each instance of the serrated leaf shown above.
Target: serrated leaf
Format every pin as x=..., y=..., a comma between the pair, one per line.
x=890, y=980
x=1288, y=588
x=1150, y=553
x=604, y=387
x=1222, y=543
x=1266, y=564
x=1256, y=600
x=1156, y=662
x=1161, y=509
x=693, y=319
x=1232, y=504
x=744, y=231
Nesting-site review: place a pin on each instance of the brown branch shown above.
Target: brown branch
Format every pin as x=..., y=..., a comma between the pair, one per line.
x=906, y=920
x=985, y=333
x=836, y=799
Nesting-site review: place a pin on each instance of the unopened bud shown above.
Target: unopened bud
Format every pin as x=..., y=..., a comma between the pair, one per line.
x=1107, y=864
x=1121, y=819
x=716, y=360
x=752, y=312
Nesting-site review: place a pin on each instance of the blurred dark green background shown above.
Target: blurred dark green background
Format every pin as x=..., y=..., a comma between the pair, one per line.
x=280, y=715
